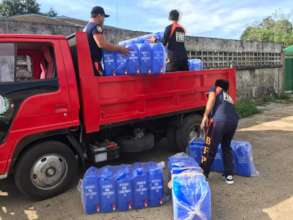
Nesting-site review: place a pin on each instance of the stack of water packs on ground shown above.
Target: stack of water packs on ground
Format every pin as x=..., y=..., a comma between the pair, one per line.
x=242, y=155
x=191, y=192
x=143, y=58
x=123, y=187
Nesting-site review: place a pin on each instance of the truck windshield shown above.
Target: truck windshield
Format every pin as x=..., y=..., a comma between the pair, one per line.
x=7, y=62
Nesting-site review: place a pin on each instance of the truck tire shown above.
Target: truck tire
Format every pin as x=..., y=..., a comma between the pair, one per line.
x=46, y=170
x=189, y=128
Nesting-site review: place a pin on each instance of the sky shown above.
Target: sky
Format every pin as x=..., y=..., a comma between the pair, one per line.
x=206, y=18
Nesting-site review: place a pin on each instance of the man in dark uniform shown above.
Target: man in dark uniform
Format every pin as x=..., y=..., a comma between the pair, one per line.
x=97, y=42
x=174, y=40
x=220, y=121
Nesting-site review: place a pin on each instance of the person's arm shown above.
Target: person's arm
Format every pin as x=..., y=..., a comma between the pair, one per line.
x=209, y=107
x=102, y=43
x=166, y=35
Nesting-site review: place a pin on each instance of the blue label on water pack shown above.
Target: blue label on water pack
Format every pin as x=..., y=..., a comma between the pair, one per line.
x=158, y=58
x=109, y=60
x=145, y=56
x=121, y=64
x=90, y=191
x=133, y=59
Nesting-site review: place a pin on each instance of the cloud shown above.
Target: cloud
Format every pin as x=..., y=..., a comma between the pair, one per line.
x=223, y=18
x=219, y=18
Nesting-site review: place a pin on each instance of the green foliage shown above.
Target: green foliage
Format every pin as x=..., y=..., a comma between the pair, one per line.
x=278, y=30
x=52, y=13
x=22, y=7
x=246, y=107
x=19, y=7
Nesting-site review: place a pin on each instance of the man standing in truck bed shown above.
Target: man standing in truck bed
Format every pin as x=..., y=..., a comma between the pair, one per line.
x=97, y=42
x=174, y=40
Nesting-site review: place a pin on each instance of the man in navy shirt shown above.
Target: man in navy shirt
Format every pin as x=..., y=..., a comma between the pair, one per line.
x=174, y=40
x=221, y=120
x=97, y=42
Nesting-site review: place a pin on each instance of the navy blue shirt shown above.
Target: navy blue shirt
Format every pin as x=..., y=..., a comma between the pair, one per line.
x=91, y=29
x=175, y=42
x=224, y=109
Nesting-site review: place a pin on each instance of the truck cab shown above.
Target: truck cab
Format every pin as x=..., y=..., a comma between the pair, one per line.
x=56, y=116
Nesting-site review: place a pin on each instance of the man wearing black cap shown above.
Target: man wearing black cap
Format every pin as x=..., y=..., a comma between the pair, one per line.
x=220, y=121
x=97, y=42
x=174, y=40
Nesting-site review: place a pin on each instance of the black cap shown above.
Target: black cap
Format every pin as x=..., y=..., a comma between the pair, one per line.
x=224, y=84
x=174, y=15
x=97, y=10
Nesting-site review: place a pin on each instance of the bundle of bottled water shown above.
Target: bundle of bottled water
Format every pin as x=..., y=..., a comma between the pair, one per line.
x=122, y=188
x=191, y=192
x=143, y=58
x=242, y=157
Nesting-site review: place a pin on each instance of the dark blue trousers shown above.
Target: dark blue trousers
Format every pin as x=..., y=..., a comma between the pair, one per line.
x=219, y=133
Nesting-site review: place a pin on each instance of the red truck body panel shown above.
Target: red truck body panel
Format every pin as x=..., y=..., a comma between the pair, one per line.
x=103, y=100
x=108, y=100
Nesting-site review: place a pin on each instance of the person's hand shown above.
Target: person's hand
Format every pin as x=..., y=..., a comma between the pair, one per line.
x=152, y=39
x=204, y=122
x=124, y=50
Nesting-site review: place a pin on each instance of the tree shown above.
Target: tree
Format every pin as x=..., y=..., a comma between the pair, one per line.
x=278, y=30
x=19, y=7
x=52, y=13
x=22, y=7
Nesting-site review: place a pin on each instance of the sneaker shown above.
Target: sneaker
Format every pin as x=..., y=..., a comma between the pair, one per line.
x=229, y=179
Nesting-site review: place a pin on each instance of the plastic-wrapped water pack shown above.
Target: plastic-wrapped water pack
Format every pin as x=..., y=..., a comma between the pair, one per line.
x=191, y=193
x=123, y=187
x=242, y=157
x=191, y=196
x=195, y=64
x=123, y=182
x=90, y=192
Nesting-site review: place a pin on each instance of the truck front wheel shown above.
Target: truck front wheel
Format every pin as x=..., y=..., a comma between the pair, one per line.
x=45, y=170
x=189, y=129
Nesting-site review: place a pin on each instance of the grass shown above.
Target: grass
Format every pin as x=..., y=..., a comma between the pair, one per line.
x=246, y=108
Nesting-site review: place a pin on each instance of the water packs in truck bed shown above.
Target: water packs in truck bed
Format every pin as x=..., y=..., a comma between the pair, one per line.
x=144, y=38
x=123, y=182
x=106, y=184
x=121, y=64
x=195, y=64
x=89, y=191
x=156, y=183
x=140, y=186
x=109, y=61
x=145, y=58
x=242, y=157
x=158, y=58
x=132, y=67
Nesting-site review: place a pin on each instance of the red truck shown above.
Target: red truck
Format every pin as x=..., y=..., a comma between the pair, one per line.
x=56, y=116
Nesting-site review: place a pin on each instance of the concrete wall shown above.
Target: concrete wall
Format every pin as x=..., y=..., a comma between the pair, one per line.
x=251, y=82
x=259, y=82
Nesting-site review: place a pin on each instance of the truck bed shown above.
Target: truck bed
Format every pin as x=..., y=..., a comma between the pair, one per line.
x=116, y=99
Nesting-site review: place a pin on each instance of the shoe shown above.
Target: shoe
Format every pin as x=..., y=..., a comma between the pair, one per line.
x=229, y=179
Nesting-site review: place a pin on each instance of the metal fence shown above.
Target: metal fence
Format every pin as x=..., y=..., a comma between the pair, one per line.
x=240, y=60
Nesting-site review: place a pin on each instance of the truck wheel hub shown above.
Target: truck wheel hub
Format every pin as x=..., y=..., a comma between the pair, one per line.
x=49, y=171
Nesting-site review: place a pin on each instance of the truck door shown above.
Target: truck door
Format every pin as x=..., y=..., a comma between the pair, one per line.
x=33, y=90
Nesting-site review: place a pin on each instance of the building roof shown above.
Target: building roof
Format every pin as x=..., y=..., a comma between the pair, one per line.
x=60, y=20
